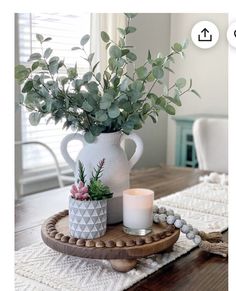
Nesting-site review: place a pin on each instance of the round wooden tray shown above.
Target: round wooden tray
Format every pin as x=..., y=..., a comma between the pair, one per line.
x=120, y=248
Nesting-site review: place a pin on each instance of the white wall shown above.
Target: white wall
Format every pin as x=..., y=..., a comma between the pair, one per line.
x=153, y=32
x=208, y=69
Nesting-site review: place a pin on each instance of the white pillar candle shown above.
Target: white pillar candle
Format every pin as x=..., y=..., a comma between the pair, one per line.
x=137, y=210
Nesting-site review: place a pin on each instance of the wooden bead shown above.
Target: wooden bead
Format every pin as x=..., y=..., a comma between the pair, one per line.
x=130, y=243
x=100, y=244
x=156, y=237
x=53, y=221
x=80, y=242
x=140, y=241
x=168, y=233
x=53, y=233
x=170, y=228
x=148, y=240
x=65, y=238
x=50, y=225
x=110, y=244
x=120, y=243
x=50, y=229
x=72, y=240
x=65, y=212
x=163, y=234
x=90, y=243
x=58, y=236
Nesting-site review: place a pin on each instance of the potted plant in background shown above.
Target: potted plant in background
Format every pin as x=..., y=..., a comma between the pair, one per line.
x=88, y=204
x=106, y=106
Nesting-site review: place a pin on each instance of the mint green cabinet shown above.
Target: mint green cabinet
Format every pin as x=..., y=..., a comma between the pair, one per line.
x=185, y=153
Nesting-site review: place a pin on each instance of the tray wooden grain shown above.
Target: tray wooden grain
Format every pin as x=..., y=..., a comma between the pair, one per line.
x=120, y=248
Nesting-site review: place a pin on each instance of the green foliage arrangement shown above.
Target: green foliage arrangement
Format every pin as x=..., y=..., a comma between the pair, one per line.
x=100, y=102
x=95, y=189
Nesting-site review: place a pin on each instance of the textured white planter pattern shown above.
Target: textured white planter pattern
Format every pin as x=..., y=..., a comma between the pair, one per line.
x=87, y=219
x=117, y=167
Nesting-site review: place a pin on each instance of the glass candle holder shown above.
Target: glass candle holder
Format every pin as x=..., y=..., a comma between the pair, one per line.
x=138, y=211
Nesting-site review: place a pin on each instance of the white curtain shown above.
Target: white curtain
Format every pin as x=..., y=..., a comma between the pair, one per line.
x=108, y=22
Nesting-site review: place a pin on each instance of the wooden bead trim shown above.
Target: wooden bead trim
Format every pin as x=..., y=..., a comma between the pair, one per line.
x=53, y=233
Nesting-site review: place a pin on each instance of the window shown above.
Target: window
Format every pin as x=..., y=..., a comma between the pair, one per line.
x=34, y=163
x=66, y=32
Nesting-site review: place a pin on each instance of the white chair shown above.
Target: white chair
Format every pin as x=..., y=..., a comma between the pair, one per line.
x=60, y=176
x=211, y=142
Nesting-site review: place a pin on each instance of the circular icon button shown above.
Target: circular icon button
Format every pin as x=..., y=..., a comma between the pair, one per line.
x=231, y=34
x=205, y=34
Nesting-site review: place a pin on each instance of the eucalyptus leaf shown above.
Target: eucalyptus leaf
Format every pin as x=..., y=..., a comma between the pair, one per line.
x=90, y=58
x=105, y=37
x=47, y=53
x=76, y=48
x=86, y=106
x=130, y=29
x=89, y=137
x=39, y=37
x=170, y=109
x=150, y=77
x=149, y=58
x=177, y=47
x=35, y=65
x=47, y=39
x=131, y=56
x=28, y=86
x=157, y=72
x=35, y=56
x=101, y=116
x=121, y=43
x=92, y=87
x=141, y=72
x=106, y=101
x=95, y=66
x=87, y=76
x=196, y=93
x=98, y=77
x=153, y=118
x=84, y=39
x=34, y=118
x=113, y=111
x=54, y=60
x=122, y=31
x=115, y=51
x=180, y=83
x=146, y=108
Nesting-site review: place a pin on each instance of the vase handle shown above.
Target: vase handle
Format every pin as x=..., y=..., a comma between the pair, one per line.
x=139, y=147
x=64, y=150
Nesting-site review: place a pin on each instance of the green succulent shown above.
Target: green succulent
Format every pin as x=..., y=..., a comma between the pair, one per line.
x=100, y=102
x=98, y=190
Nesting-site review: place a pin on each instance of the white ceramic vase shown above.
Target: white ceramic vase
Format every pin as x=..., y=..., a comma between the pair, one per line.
x=117, y=167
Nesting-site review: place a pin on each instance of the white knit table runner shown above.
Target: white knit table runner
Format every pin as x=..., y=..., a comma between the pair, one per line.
x=40, y=268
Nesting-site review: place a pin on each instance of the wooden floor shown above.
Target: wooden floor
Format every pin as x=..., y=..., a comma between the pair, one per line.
x=196, y=271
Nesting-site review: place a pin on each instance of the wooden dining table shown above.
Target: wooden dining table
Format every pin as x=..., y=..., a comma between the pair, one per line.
x=195, y=271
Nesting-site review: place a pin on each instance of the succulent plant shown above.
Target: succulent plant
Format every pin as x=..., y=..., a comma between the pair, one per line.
x=100, y=102
x=95, y=189
x=80, y=191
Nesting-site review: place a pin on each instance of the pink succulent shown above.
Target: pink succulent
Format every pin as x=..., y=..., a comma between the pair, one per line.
x=80, y=191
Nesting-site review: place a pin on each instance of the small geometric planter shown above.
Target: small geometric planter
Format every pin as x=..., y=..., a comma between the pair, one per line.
x=87, y=219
